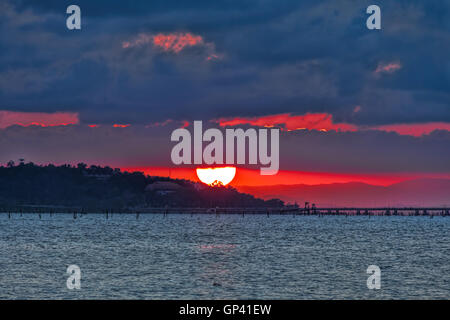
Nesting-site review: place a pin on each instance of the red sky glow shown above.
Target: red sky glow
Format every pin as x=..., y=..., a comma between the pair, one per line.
x=310, y=121
x=250, y=177
x=324, y=122
x=9, y=118
x=415, y=129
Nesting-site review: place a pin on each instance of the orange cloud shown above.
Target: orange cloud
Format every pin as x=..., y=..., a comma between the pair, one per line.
x=43, y=119
x=121, y=125
x=324, y=122
x=286, y=121
x=414, y=129
x=174, y=42
x=390, y=67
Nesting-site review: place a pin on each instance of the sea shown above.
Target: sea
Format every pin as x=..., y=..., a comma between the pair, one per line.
x=208, y=256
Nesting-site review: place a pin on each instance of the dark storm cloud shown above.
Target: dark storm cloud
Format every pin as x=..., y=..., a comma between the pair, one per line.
x=139, y=146
x=276, y=57
x=105, y=145
x=365, y=152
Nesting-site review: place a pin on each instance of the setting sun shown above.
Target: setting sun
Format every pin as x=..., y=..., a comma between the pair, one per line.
x=216, y=176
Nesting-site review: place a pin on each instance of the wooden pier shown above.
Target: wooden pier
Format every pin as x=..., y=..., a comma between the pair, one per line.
x=335, y=211
x=307, y=211
x=387, y=211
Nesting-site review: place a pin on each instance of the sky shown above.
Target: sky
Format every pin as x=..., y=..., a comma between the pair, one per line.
x=352, y=104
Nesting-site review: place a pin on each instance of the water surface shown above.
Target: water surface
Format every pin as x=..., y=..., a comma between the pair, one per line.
x=223, y=257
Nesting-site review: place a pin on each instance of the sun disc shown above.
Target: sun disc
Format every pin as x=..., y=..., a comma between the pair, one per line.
x=216, y=176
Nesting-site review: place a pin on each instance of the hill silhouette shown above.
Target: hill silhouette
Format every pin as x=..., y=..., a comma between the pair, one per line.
x=418, y=192
x=98, y=188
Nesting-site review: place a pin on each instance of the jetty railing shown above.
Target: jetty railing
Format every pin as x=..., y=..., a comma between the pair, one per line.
x=308, y=211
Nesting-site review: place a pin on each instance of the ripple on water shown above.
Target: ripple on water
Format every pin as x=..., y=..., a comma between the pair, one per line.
x=224, y=257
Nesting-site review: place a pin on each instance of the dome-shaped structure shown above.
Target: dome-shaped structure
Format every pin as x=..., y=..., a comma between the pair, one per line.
x=163, y=187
